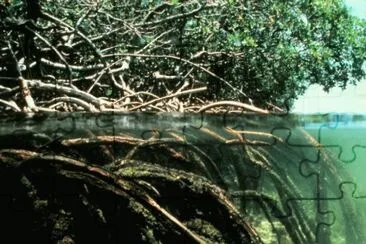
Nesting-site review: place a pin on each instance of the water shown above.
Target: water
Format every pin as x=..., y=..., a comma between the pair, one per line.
x=241, y=146
x=348, y=143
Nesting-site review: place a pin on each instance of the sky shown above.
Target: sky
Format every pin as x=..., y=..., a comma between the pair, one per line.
x=351, y=100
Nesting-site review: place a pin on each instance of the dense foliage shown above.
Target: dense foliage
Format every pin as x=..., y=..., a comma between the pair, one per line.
x=119, y=54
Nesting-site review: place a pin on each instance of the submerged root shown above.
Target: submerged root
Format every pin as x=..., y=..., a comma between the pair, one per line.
x=197, y=186
x=66, y=198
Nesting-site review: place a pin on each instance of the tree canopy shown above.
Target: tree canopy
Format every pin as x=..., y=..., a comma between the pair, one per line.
x=123, y=55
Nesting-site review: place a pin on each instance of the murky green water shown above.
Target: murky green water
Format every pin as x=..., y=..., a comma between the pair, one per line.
x=349, y=144
x=266, y=154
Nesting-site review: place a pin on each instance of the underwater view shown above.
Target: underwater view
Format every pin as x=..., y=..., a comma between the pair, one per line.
x=242, y=178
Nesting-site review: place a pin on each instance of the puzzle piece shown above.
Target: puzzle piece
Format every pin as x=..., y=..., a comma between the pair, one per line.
x=285, y=183
x=255, y=158
x=347, y=141
x=325, y=191
x=348, y=197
